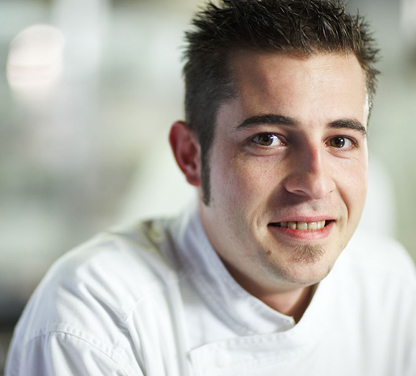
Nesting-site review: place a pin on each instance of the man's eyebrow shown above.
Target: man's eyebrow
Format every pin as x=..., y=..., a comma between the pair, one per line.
x=274, y=119
x=265, y=119
x=350, y=124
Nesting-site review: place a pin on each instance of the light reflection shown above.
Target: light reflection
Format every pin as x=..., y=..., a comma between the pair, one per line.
x=35, y=60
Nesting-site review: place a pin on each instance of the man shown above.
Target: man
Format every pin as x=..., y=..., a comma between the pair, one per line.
x=253, y=280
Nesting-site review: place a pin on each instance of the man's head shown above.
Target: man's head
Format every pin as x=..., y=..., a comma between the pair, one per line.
x=300, y=27
x=275, y=139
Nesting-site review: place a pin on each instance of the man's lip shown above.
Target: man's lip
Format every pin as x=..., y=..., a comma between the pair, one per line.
x=305, y=219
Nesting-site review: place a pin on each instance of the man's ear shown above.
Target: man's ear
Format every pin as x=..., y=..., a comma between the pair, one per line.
x=186, y=150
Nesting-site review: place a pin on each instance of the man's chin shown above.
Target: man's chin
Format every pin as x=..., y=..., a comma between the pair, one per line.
x=307, y=265
x=307, y=274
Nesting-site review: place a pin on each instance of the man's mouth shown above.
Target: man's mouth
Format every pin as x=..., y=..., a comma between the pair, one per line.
x=302, y=226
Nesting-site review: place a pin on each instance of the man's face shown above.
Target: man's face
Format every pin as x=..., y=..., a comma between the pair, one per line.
x=290, y=150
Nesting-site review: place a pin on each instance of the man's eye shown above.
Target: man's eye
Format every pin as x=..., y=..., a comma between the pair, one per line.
x=341, y=142
x=267, y=139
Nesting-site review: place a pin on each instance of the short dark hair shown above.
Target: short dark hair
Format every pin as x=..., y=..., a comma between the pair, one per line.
x=302, y=27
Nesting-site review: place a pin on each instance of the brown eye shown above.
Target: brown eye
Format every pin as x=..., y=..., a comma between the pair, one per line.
x=338, y=142
x=266, y=139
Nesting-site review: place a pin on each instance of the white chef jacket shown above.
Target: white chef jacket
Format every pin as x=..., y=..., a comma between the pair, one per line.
x=154, y=299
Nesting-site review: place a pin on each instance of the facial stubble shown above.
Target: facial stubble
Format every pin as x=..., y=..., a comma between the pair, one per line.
x=305, y=255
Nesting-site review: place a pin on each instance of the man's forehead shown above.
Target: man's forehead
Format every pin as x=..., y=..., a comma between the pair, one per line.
x=288, y=84
x=263, y=70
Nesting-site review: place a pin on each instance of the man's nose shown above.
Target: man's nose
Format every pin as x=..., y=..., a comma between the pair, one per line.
x=310, y=174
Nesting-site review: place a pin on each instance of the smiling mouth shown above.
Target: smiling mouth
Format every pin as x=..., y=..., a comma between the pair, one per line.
x=302, y=226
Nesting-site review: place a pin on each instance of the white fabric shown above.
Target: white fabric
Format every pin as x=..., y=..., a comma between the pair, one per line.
x=156, y=300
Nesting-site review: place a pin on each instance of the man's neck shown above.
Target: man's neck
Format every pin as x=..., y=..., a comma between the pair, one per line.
x=291, y=303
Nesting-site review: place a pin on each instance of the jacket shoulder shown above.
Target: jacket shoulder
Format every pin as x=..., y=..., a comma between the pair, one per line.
x=98, y=285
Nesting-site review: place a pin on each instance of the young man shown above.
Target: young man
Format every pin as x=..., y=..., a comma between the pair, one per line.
x=256, y=278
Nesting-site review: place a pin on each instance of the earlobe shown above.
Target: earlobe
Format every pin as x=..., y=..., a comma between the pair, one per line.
x=186, y=151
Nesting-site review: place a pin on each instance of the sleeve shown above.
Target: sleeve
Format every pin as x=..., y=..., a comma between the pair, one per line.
x=63, y=354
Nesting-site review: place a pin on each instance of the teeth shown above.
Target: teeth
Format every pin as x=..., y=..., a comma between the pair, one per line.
x=303, y=225
x=291, y=225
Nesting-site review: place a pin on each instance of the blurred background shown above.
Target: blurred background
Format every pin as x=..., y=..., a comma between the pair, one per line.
x=88, y=91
